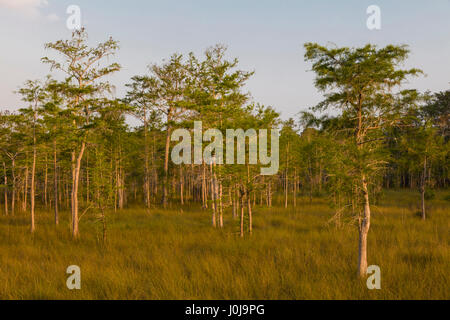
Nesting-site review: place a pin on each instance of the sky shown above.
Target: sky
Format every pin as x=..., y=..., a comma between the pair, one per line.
x=266, y=36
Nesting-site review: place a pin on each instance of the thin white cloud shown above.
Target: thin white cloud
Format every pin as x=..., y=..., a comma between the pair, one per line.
x=28, y=8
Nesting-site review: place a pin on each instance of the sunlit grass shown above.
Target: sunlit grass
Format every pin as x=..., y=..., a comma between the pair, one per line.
x=293, y=254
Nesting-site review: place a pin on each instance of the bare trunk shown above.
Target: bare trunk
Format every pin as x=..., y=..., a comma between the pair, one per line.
x=6, y=188
x=166, y=170
x=250, y=217
x=235, y=203
x=55, y=181
x=241, y=203
x=286, y=190
x=13, y=196
x=249, y=204
x=286, y=181
x=270, y=194
x=87, y=180
x=422, y=189
x=220, y=206
x=76, y=180
x=147, y=169
x=25, y=191
x=364, y=227
x=46, y=181
x=204, y=191
x=213, y=195
x=181, y=186
x=32, y=194
x=295, y=188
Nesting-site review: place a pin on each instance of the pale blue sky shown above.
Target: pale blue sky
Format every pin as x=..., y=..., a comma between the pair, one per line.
x=267, y=37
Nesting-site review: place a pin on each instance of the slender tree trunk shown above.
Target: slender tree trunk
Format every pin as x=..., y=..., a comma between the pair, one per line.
x=295, y=188
x=241, y=203
x=286, y=191
x=120, y=177
x=55, y=181
x=25, y=191
x=249, y=204
x=213, y=195
x=270, y=194
x=250, y=216
x=6, y=188
x=116, y=189
x=88, y=180
x=147, y=169
x=155, y=172
x=204, y=191
x=422, y=188
x=286, y=181
x=235, y=203
x=181, y=186
x=76, y=180
x=220, y=206
x=46, y=181
x=364, y=227
x=66, y=191
x=13, y=196
x=166, y=169
x=33, y=174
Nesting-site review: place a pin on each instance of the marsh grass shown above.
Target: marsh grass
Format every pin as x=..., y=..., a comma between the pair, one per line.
x=176, y=254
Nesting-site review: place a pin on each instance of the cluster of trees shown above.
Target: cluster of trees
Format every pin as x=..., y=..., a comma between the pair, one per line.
x=72, y=148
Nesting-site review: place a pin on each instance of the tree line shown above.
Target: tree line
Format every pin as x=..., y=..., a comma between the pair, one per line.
x=72, y=147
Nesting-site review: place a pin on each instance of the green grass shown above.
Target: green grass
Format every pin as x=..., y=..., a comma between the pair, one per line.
x=176, y=254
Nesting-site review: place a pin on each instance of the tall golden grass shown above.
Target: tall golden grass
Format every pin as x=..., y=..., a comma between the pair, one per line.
x=176, y=254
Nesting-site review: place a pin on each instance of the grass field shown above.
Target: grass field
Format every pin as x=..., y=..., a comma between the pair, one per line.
x=176, y=254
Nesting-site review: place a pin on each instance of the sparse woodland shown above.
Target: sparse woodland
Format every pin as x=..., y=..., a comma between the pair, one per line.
x=73, y=152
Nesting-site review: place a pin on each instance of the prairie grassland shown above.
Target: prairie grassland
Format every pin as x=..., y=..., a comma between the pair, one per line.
x=176, y=254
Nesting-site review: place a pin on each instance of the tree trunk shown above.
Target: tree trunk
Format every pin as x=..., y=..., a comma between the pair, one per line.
x=364, y=227
x=204, y=191
x=241, y=203
x=286, y=189
x=235, y=202
x=295, y=188
x=249, y=204
x=25, y=191
x=13, y=196
x=88, y=181
x=147, y=169
x=213, y=195
x=32, y=194
x=422, y=189
x=46, y=181
x=286, y=180
x=250, y=217
x=270, y=194
x=181, y=186
x=166, y=169
x=6, y=188
x=76, y=180
x=220, y=206
x=55, y=181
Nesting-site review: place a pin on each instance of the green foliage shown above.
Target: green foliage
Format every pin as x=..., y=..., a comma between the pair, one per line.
x=359, y=83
